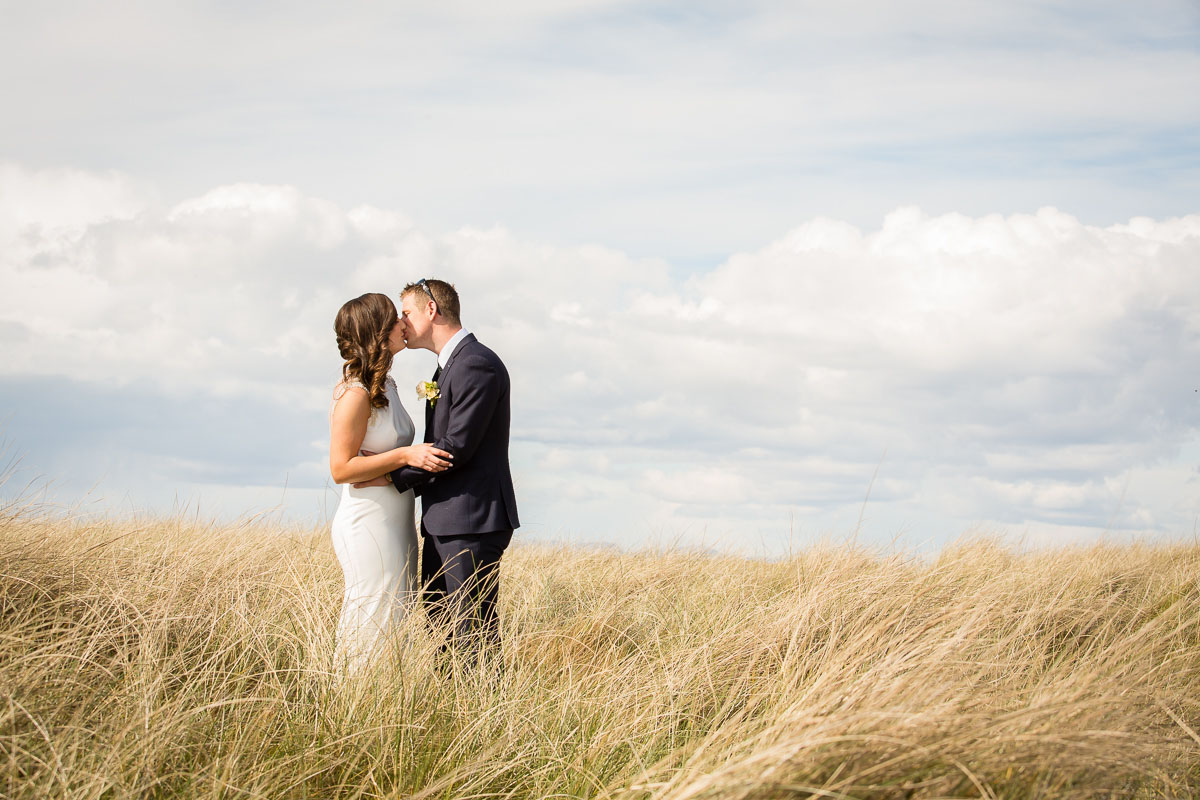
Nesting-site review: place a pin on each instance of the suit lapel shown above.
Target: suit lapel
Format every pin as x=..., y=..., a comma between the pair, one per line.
x=470, y=337
x=443, y=372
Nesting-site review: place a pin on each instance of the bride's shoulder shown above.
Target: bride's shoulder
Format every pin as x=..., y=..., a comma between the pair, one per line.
x=343, y=386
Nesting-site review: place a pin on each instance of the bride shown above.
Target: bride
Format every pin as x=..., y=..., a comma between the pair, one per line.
x=370, y=435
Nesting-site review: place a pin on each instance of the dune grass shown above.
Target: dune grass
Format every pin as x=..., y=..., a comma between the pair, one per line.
x=166, y=658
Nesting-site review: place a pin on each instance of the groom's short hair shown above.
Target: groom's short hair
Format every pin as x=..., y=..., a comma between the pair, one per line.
x=442, y=293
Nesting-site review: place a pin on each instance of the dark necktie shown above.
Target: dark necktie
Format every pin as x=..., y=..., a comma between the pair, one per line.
x=429, y=409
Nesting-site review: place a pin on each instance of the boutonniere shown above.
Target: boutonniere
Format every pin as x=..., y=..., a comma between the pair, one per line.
x=428, y=390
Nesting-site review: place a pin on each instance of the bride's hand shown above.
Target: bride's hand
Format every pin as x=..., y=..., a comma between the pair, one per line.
x=428, y=458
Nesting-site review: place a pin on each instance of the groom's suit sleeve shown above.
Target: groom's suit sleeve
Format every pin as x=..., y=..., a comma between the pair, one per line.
x=477, y=391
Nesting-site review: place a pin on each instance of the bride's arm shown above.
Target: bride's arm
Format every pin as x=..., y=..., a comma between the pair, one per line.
x=348, y=427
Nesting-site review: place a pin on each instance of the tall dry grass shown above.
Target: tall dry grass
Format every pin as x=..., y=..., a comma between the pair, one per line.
x=165, y=658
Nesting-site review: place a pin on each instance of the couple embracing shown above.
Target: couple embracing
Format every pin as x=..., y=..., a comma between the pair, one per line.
x=461, y=473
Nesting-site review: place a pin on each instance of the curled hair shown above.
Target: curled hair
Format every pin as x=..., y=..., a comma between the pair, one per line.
x=363, y=326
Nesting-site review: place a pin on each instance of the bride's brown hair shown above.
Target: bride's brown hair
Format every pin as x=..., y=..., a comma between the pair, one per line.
x=362, y=327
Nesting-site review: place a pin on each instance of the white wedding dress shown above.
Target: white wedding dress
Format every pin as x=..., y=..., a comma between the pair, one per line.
x=375, y=539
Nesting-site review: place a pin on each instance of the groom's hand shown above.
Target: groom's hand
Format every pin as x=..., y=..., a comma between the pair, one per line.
x=382, y=480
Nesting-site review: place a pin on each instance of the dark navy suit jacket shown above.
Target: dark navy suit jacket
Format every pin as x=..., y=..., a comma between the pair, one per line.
x=470, y=419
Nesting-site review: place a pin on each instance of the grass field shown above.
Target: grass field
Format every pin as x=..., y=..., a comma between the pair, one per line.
x=166, y=658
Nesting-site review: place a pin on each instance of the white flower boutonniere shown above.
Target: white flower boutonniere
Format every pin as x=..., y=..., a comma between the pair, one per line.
x=428, y=390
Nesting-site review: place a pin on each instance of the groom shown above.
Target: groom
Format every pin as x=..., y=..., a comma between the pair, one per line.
x=468, y=512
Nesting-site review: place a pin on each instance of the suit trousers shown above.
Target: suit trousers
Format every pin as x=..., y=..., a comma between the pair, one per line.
x=460, y=578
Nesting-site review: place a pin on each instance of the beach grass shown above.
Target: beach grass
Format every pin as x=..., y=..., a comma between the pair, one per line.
x=172, y=658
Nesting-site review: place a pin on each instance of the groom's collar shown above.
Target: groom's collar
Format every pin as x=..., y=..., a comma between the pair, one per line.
x=448, y=348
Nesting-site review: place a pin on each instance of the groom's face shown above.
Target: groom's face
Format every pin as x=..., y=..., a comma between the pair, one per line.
x=418, y=320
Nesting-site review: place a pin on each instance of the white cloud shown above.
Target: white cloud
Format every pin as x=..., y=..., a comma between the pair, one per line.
x=670, y=131
x=1012, y=370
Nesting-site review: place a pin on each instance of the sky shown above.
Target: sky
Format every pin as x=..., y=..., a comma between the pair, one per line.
x=764, y=274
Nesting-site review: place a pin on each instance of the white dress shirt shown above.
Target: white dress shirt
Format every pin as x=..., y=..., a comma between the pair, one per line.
x=448, y=349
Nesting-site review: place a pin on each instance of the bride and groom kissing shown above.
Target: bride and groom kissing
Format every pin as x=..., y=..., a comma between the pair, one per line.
x=461, y=472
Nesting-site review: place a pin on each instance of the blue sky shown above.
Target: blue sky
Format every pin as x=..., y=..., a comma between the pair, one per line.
x=740, y=257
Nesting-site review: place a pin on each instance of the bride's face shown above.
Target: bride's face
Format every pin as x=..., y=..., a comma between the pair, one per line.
x=396, y=336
